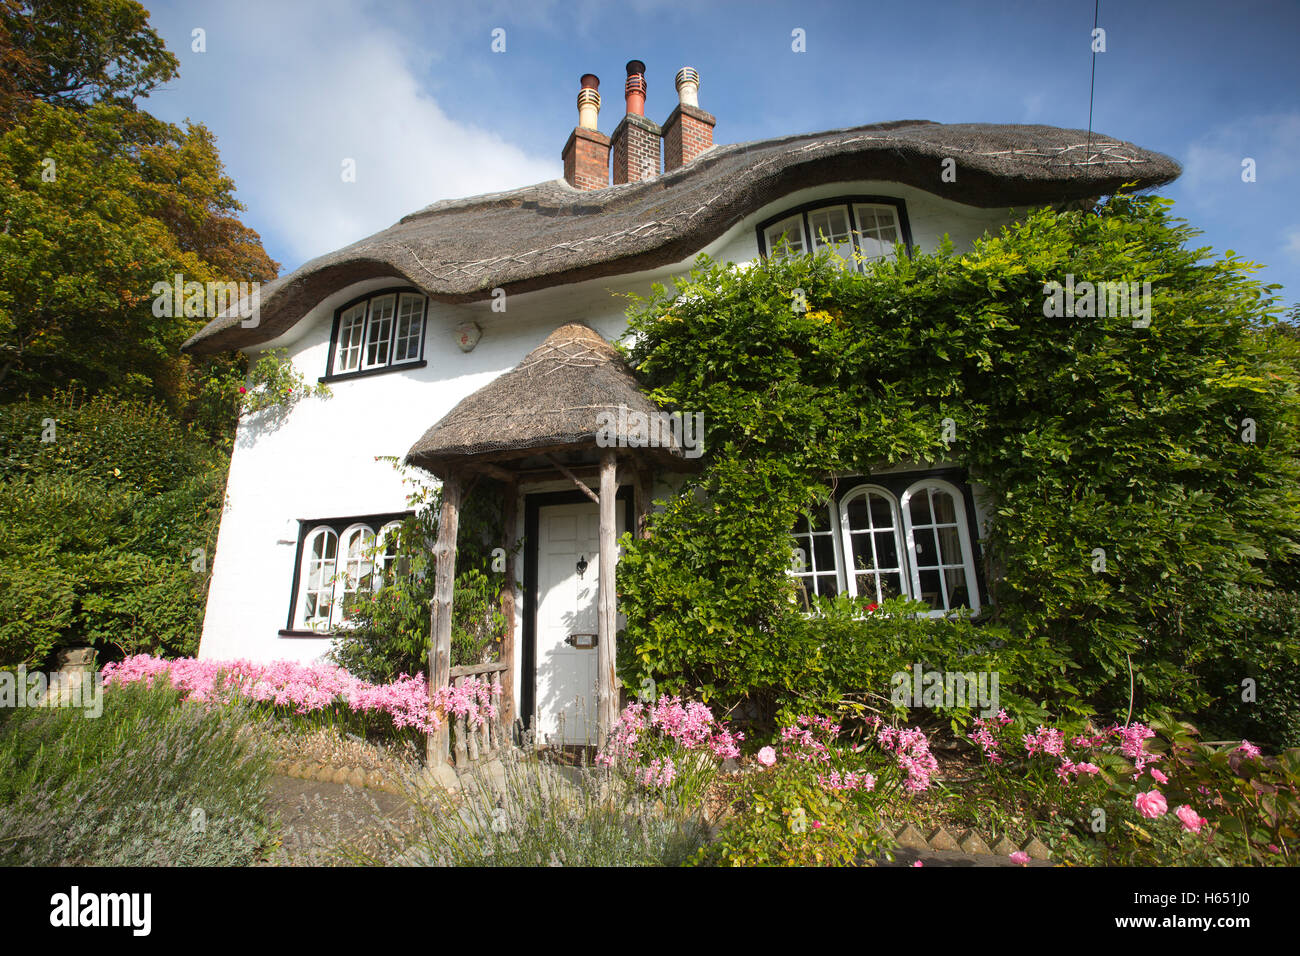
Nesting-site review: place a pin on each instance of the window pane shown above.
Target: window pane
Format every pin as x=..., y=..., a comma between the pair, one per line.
x=887, y=549
x=955, y=579
x=920, y=508
x=319, y=587
x=945, y=511
x=830, y=229
x=358, y=568
x=786, y=237
x=352, y=326
x=932, y=589
x=379, y=339
x=949, y=546
x=410, y=325
x=877, y=230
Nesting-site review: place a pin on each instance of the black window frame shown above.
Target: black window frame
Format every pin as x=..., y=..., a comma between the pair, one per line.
x=390, y=366
x=900, y=210
x=338, y=525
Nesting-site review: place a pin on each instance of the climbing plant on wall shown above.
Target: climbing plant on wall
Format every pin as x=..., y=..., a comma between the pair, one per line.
x=1138, y=467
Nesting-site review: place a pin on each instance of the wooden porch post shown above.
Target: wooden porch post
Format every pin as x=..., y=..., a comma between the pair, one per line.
x=507, y=707
x=444, y=553
x=607, y=698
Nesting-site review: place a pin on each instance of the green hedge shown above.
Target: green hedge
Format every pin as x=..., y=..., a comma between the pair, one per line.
x=98, y=529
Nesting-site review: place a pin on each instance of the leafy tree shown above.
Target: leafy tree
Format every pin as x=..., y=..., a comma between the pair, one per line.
x=78, y=52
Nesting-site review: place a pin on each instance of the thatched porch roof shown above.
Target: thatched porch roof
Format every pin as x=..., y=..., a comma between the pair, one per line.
x=549, y=402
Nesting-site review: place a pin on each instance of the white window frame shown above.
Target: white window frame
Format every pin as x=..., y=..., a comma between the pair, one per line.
x=364, y=560
x=963, y=535
x=329, y=585
x=811, y=572
x=908, y=573
x=847, y=532
x=383, y=561
x=368, y=342
x=796, y=226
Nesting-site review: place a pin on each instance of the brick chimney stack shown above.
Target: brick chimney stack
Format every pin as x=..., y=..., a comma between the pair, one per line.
x=586, y=154
x=636, y=140
x=688, y=130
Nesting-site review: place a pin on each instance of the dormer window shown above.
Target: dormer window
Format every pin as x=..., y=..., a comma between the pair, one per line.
x=858, y=229
x=376, y=333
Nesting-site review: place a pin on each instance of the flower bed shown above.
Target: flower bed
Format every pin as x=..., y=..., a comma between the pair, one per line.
x=321, y=689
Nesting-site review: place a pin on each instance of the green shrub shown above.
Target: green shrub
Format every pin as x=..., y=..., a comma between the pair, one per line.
x=1264, y=649
x=151, y=781
x=106, y=532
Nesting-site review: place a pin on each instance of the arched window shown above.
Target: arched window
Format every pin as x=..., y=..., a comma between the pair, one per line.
x=357, y=580
x=894, y=536
x=320, y=559
x=938, y=545
x=342, y=563
x=872, y=543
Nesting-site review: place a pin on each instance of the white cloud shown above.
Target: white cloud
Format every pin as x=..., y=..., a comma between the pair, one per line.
x=291, y=101
x=1213, y=167
x=1291, y=244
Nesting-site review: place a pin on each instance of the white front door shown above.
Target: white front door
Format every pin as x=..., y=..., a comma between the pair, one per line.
x=567, y=536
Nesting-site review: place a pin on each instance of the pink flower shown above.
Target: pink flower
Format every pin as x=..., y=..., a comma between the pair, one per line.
x=1020, y=858
x=918, y=863
x=1157, y=776
x=1151, y=804
x=1249, y=749
x=766, y=756
x=817, y=824
x=242, y=390
x=1191, y=821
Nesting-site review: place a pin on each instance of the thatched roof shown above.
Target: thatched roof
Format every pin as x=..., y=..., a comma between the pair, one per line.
x=552, y=233
x=548, y=402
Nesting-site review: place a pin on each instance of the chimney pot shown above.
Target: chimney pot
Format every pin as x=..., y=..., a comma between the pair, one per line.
x=589, y=101
x=635, y=89
x=688, y=87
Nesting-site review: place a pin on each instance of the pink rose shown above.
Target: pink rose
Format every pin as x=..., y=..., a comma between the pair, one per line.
x=767, y=756
x=918, y=863
x=1020, y=858
x=1151, y=804
x=1190, y=819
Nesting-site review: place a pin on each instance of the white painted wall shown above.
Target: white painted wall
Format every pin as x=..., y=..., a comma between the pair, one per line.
x=319, y=462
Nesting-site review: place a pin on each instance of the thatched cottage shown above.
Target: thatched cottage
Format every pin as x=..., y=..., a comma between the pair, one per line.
x=472, y=339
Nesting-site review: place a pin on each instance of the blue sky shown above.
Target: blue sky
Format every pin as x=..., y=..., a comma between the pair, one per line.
x=414, y=94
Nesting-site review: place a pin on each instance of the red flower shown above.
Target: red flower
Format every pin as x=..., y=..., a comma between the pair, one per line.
x=872, y=606
x=242, y=390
